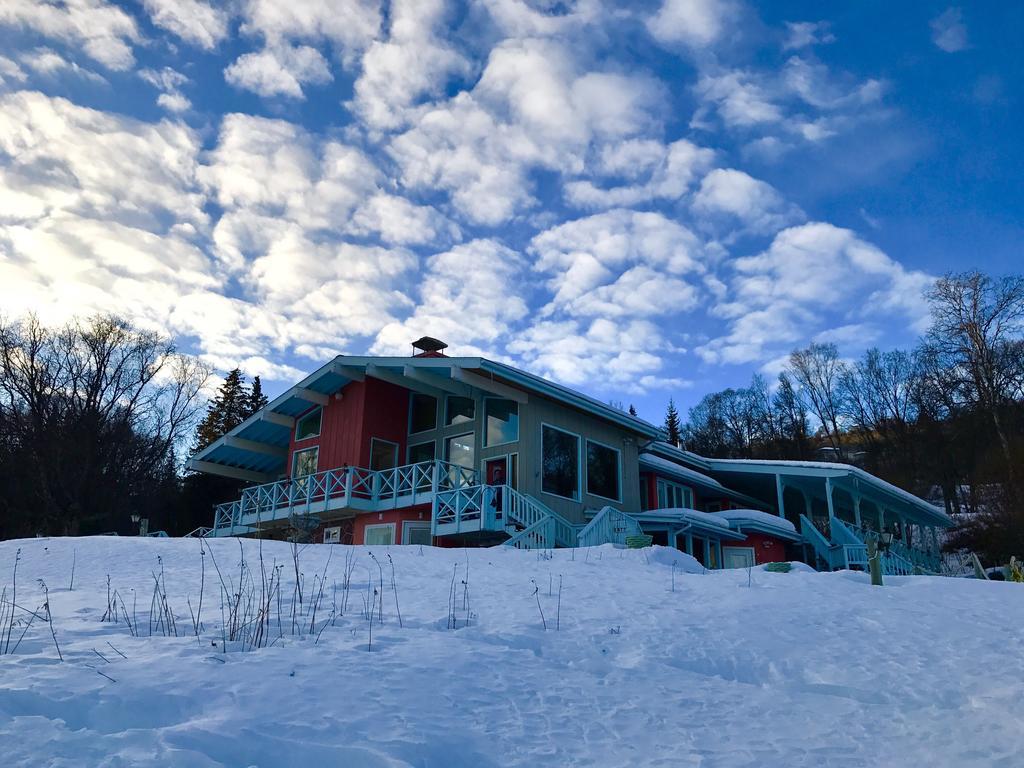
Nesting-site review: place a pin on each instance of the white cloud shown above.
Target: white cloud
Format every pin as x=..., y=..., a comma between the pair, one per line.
x=588, y=261
x=279, y=71
x=49, y=63
x=521, y=18
x=812, y=278
x=803, y=34
x=349, y=25
x=741, y=101
x=949, y=32
x=412, y=63
x=399, y=221
x=735, y=193
x=169, y=82
x=656, y=170
x=11, y=72
x=468, y=296
x=195, y=21
x=104, y=31
x=695, y=23
x=532, y=108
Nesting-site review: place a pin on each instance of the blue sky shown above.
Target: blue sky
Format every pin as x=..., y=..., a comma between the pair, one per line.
x=639, y=200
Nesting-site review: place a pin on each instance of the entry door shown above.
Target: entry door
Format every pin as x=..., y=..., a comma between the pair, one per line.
x=496, y=471
x=737, y=557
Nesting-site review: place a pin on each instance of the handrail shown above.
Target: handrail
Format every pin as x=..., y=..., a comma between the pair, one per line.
x=381, y=487
x=819, y=543
x=608, y=526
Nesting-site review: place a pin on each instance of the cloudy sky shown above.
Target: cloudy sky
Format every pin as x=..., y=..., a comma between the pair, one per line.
x=637, y=199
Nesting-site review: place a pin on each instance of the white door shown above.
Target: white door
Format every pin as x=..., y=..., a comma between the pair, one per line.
x=737, y=557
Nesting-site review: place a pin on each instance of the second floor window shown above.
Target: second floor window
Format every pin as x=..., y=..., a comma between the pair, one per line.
x=305, y=462
x=501, y=421
x=460, y=410
x=309, y=425
x=422, y=413
x=602, y=471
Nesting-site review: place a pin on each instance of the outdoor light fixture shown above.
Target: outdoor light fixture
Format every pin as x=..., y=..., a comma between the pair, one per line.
x=885, y=540
x=135, y=519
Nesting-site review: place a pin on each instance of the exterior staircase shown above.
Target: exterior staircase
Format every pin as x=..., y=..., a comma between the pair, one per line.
x=848, y=549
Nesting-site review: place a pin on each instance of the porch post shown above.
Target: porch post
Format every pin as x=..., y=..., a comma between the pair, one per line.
x=881, y=518
x=707, y=551
x=828, y=498
x=780, y=492
x=856, y=508
x=808, y=504
x=689, y=544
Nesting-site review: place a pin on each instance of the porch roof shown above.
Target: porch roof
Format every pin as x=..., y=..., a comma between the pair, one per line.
x=701, y=523
x=671, y=469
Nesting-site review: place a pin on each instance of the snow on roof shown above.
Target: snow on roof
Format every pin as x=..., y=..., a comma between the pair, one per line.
x=736, y=518
x=689, y=515
x=679, y=471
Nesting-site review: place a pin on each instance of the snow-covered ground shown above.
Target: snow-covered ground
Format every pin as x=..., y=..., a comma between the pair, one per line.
x=796, y=669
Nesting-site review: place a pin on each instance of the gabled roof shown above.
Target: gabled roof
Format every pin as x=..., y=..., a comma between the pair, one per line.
x=256, y=450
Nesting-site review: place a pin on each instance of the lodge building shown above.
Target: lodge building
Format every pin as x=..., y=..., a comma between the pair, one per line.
x=465, y=451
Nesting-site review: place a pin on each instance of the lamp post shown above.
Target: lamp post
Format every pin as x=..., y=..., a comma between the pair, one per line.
x=135, y=522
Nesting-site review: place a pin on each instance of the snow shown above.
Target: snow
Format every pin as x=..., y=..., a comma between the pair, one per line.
x=679, y=471
x=755, y=515
x=683, y=514
x=796, y=669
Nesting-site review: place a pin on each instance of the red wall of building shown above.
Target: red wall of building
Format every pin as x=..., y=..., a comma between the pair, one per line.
x=367, y=409
x=767, y=549
x=421, y=512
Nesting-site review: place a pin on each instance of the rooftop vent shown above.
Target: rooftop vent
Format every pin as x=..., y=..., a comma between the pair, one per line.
x=428, y=347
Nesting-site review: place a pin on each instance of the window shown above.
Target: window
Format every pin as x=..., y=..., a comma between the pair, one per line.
x=379, y=535
x=560, y=463
x=461, y=450
x=422, y=413
x=309, y=425
x=460, y=410
x=383, y=454
x=422, y=452
x=332, y=535
x=674, y=496
x=602, y=471
x=416, y=533
x=501, y=421
x=304, y=463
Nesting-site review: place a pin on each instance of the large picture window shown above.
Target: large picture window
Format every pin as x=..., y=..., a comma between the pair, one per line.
x=461, y=410
x=383, y=454
x=602, y=471
x=309, y=425
x=421, y=452
x=461, y=450
x=422, y=413
x=305, y=462
x=560, y=463
x=501, y=421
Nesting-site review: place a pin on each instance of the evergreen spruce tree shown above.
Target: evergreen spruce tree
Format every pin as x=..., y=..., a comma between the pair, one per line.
x=632, y=410
x=256, y=400
x=672, y=425
x=226, y=411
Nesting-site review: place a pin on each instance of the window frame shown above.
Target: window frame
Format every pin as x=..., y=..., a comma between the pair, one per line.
x=447, y=452
x=295, y=461
x=387, y=442
x=379, y=526
x=447, y=409
x=618, y=471
x=665, y=484
x=579, y=462
x=412, y=396
x=408, y=451
x=483, y=423
x=334, y=531
x=318, y=411
x=415, y=524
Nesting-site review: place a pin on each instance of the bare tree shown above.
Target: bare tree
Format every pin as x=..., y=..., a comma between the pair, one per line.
x=975, y=335
x=819, y=372
x=93, y=413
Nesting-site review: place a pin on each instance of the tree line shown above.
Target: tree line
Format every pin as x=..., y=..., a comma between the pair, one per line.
x=96, y=418
x=944, y=419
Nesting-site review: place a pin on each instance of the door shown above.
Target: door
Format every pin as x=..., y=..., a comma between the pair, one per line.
x=737, y=557
x=496, y=473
